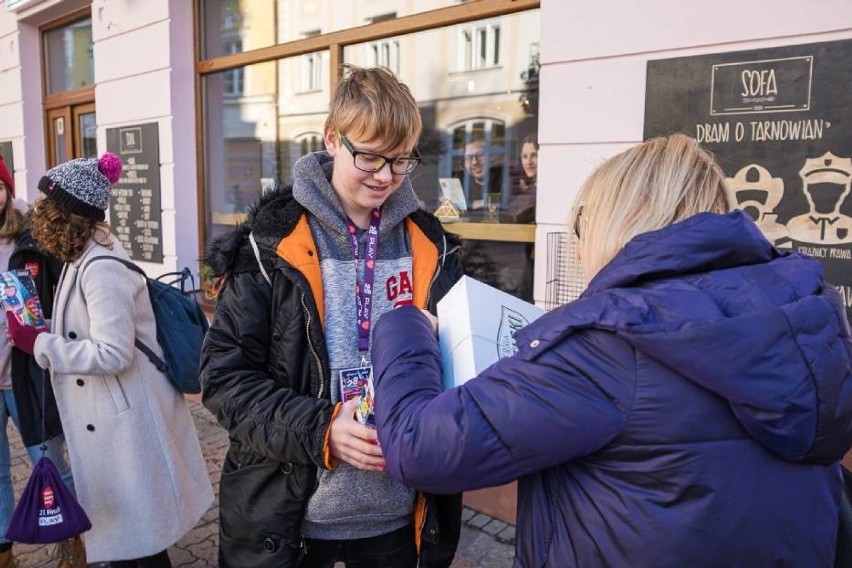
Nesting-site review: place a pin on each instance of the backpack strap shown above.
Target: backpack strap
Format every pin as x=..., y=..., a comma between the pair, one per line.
x=159, y=363
x=132, y=266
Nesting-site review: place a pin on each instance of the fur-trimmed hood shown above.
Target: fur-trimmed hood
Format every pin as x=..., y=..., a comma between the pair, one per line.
x=270, y=219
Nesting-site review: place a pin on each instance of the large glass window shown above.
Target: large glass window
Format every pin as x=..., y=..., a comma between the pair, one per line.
x=478, y=96
x=252, y=141
x=69, y=57
x=69, y=92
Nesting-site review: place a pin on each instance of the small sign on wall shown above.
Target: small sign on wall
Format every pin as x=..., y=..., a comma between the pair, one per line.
x=134, y=205
x=779, y=121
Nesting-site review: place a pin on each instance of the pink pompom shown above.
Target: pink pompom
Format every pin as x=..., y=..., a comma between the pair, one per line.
x=110, y=166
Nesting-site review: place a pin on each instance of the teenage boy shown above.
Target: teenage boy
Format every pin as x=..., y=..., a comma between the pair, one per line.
x=306, y=276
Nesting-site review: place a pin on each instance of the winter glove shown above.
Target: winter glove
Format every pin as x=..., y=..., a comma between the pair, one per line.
x=23, y=336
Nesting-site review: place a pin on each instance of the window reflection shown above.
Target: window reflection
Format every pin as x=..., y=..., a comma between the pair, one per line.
x=268, y=22
x=504, y=265
x=480, y=47
x=477, y=108
x=478, y=96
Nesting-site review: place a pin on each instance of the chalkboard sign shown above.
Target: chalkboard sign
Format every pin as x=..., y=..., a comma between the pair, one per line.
x=134, y=205
x=779, y=121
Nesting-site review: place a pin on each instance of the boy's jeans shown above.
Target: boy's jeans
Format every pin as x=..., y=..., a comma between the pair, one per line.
x=55, y=451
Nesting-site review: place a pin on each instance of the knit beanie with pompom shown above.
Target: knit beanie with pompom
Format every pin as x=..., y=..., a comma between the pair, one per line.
x=83, y=186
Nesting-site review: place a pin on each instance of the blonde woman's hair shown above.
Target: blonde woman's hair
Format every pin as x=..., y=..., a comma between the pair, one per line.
x=650, y=186
x=373, y=105
x=12, y=221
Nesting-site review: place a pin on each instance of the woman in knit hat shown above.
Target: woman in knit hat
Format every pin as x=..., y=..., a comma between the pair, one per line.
x=25, y=396
x=137, y=463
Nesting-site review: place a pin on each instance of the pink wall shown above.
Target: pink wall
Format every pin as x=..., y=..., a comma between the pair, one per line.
x=594, y=57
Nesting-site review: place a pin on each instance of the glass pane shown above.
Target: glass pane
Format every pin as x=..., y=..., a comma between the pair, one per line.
x=254, y=136
x=506, y=266
x=88, y=135
x=60, y=135
x=479, y=102
x=69, y=59
x=262, y=23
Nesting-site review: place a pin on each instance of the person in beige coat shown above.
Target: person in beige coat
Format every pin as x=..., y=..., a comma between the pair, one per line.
x=138, y=468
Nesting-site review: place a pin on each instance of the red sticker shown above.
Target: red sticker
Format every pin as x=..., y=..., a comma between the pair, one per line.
x=47, y=497
x=33, y=267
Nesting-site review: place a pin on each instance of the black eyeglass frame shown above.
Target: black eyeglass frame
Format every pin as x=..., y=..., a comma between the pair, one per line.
x=416, y=159
x=577, y=222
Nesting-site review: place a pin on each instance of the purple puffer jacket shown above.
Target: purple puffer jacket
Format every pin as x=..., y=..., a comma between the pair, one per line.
x=689, y=409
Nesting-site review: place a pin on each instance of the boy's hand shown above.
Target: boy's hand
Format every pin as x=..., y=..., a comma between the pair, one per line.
x=432, y=319
x=354, y=443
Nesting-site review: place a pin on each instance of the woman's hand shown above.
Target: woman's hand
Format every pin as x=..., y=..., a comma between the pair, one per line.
x=432, y=320
x=354, y=443
x=22, y=336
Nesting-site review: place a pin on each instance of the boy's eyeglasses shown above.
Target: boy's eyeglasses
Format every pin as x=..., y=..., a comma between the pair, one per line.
x=577, y=222
x=369, y=162
x=479, y=156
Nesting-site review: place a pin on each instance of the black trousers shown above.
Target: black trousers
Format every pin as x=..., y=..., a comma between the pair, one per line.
x=159, y=560
x=392, y=550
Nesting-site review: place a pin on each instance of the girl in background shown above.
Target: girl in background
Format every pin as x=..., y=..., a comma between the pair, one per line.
x=22, y=386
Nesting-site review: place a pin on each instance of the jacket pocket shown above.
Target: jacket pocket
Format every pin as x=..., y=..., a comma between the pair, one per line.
x=116, y=394
x=261, y=507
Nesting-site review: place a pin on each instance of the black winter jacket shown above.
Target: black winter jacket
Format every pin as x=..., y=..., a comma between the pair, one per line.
x=265, y=376
x=27, y=380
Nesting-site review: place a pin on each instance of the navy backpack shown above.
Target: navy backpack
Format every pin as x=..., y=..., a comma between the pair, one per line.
x=181, y=326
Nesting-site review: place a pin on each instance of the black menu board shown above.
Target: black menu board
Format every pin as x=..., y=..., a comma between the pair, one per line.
x=779, y=120
x=134, y=207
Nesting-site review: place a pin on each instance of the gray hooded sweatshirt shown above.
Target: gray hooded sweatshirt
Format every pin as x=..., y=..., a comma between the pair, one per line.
x=350, y=503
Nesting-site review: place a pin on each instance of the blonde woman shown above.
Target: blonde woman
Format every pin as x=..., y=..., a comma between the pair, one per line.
x=690, y=409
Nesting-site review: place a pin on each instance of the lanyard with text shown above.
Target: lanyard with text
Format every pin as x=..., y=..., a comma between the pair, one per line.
x=364, y=293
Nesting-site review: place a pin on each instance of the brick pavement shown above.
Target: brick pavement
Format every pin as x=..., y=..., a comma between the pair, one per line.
x=485, y=542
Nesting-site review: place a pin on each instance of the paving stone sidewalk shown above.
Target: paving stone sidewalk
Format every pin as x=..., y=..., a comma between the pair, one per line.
x=485, y=542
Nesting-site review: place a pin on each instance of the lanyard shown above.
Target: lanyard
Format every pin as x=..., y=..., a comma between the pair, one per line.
x=364, y=294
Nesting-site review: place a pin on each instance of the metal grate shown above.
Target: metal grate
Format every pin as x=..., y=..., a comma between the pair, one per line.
x=565, y=280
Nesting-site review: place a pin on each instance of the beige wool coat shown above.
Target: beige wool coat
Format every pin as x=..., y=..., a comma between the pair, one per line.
x=137, y=464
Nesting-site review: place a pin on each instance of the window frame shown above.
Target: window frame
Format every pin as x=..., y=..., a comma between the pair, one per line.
x=66, y=105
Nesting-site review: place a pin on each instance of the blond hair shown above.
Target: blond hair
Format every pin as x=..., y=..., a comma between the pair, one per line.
x=373, y=105
x=650, y=186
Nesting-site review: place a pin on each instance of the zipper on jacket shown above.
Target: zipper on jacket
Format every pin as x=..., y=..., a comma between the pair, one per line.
x=308, y=320
x=425, y=515
x=438, y=270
